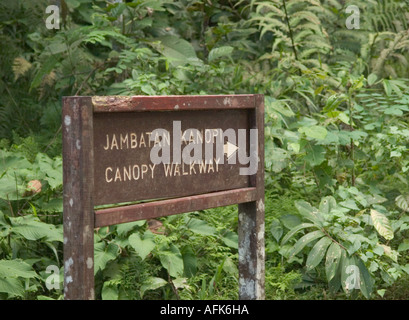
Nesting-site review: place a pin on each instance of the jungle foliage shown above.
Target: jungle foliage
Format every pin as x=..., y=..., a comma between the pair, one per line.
x=336, y=129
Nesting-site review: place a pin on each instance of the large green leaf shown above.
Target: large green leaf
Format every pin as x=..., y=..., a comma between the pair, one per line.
x=231, y=239
x=109, y=291
x=315, y=154
x=171, y=259
x=366, y=282
x=142, y=245
x=382, y=224
x=152, y=283
x=51, y=168
x=16, y=268
x=332, y=260
x=327, y=204
x=200, y=227
x=276, y=229
x=294, y=230
x=189, y=261
x=12, y=286
x=317, y=253
x=315, y=132
x=303, y=241
x=309, y=212
x=33, y=229
x=177, y=50
x=124, y=228
x=349, y=274
x=103, y=254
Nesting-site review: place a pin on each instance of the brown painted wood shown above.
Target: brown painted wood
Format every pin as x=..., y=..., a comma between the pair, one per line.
x=80, y=166
x=120, y=158
x=171, y=103
x=78, y=220
x=251, y=223
x=150, y=210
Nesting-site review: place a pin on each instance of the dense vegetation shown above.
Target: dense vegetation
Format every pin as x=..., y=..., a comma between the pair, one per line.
x=337, y=164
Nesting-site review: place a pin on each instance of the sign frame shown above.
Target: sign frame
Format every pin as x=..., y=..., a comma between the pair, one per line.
x=80, y=217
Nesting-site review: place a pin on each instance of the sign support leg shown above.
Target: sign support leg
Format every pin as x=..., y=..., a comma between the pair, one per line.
x=78, y=208
x=251, y=223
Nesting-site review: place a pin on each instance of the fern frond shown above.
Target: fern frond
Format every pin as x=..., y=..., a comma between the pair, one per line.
x=20, y=67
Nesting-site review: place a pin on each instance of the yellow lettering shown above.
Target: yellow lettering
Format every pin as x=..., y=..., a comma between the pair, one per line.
x=192, y=167
x=127, y=174
x=142, y=141
x=152, y=167
x=107, y=146
x=144, y=169
x=117, y=175
x=114, y=142
x=135, y=175
x=185, y=173
x=134, y=143
x=124, y=140
x=106, y=174
x=176, y=169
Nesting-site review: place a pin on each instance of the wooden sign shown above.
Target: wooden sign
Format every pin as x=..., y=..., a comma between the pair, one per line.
x=181, y=153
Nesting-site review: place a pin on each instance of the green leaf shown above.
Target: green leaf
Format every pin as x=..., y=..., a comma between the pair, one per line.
x=152, y=283
x=372, y=79
x=189, y=261
x=315, y=154
x=103, y=254
x=171, y=259
x=308, y=212
x=387, y=87
x=349, y=273
x=332, y=260
x=402, y=201
x=142, y=245
x=294, y=230
x=403, y=246
x=32, y=229
x=12, y=286
x=231, y=239
x=327, y=204
x=382, y=224
x=276, y=229
x=217, y=53
x=303, y=241
x=200, y=227
x=109, y=291
x=290, y=220
x=365, y=280
x=317, y=253
x=124, y=228
x=334, y=101
x=230, y=267
x=177, y=50
x=16, y=268
x=315, y=132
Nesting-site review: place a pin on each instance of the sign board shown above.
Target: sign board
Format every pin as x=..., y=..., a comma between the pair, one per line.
x=157, y=156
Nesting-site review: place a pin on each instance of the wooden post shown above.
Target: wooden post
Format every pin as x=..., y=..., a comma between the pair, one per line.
x=79, y=116
x=78, y=208
x=251, y=222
